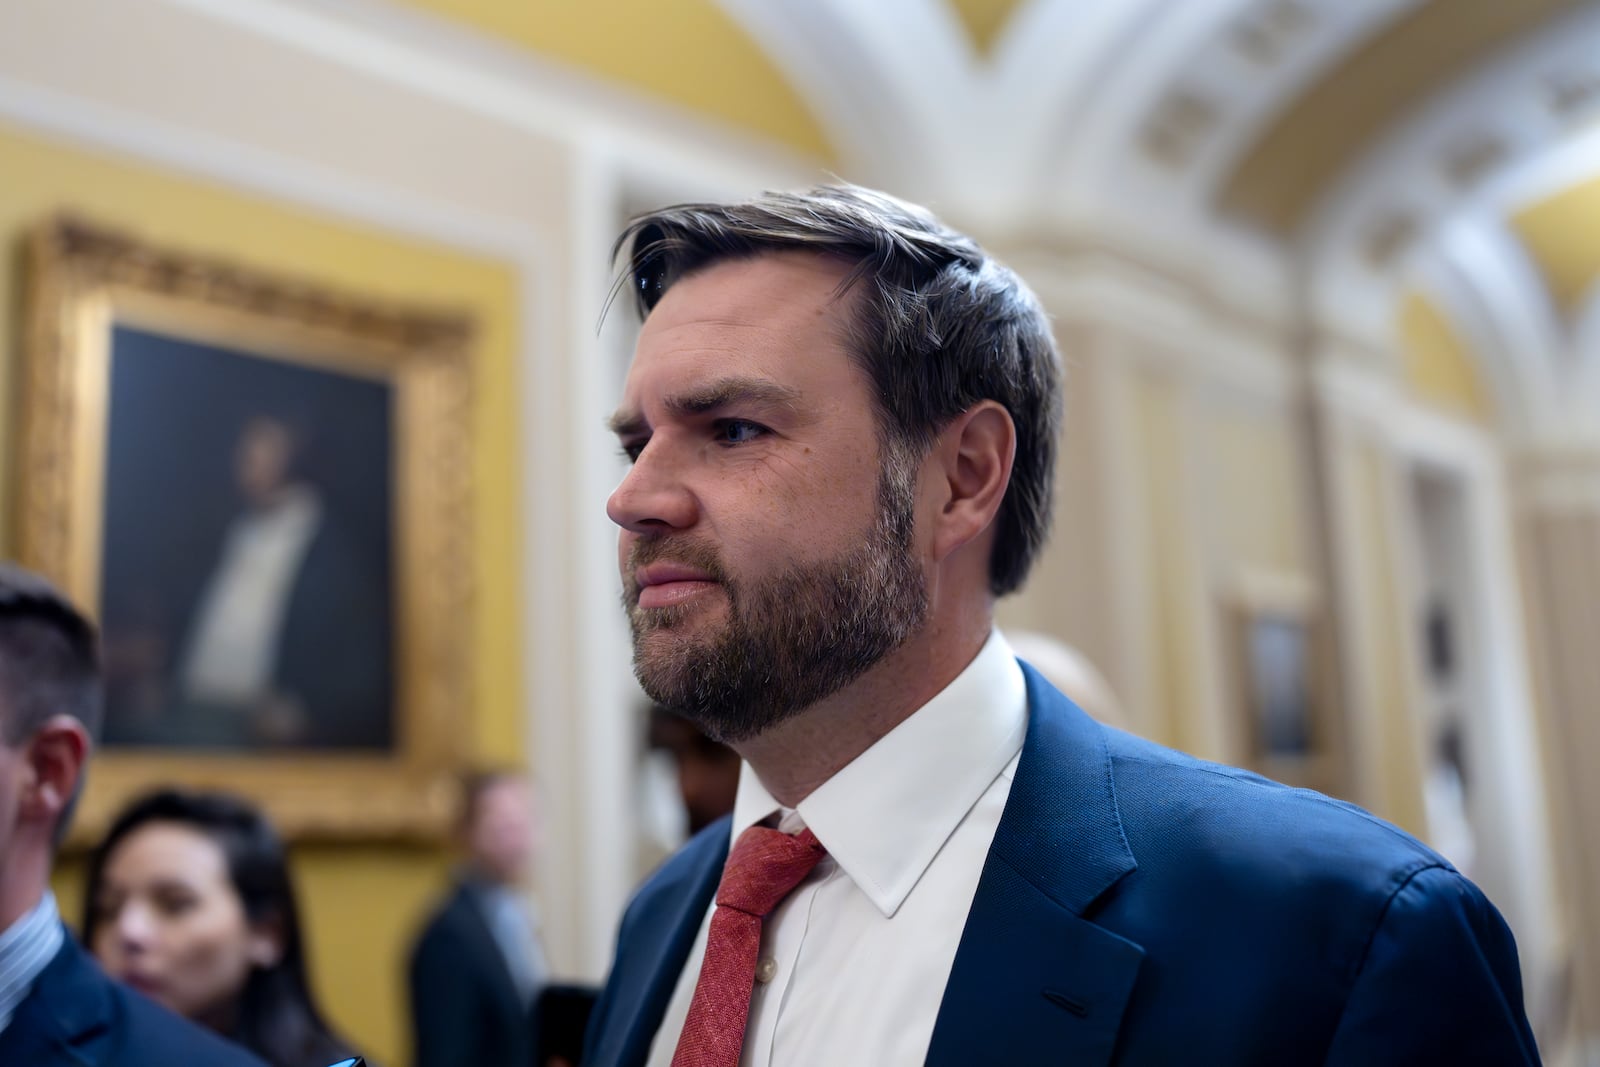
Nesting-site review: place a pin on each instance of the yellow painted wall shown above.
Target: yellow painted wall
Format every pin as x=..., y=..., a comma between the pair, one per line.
x=362, y=902
x=689, y=52
x=1559, y=232
x=1167, y=558
x=984, y=20
x=1396, y=755
x=1070, y=591
x=1439, y=367
x=1257, y=484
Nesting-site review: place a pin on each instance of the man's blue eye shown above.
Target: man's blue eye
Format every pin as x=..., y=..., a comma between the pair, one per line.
x=738, y=431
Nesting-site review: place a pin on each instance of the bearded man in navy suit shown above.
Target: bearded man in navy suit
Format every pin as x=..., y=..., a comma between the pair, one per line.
x=842, y=418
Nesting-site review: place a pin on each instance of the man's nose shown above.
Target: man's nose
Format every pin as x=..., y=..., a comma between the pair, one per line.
x=654, y=495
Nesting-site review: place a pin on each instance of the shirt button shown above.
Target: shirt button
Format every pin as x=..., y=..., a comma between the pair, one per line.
x=766, y=970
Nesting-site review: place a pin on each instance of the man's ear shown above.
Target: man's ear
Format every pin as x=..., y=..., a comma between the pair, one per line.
x=55, y=757
x=974, y=454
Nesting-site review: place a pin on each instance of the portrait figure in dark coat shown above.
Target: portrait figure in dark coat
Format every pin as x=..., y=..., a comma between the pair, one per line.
x=247, y=581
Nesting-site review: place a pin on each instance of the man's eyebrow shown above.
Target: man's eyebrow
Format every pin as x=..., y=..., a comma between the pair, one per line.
x=625, y=423
x=718, y=394
x=730, y=391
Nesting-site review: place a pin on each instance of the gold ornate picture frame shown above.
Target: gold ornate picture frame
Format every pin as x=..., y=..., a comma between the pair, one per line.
x=1279, y=680
x=260, y=489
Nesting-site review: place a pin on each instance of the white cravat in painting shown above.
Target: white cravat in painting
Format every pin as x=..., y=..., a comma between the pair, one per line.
x=239, y=624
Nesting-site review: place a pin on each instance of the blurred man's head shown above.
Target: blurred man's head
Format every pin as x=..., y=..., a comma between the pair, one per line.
x=708, y=771
x=265, y=458
x=50, y=704
x=501, y=827
x=1070, y=671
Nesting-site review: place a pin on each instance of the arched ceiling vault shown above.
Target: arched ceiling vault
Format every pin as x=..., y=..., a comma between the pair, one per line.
x=1480, y=202
x=1317, y=136
x=1353, y=145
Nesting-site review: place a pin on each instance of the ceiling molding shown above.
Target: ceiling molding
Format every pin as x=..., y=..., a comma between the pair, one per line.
x=892, y=82
x=1559, y=232
x=1280, y=181
x=1410, y=175
x=441, y=61
x=1420, y=209
x=1460, y=275
x=687, y=53
x=1192, y=89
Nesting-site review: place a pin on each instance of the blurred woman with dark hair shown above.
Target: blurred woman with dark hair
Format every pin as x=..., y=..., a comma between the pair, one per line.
x=189, y=901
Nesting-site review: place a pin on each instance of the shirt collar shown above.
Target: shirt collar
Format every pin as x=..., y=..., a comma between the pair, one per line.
x=26, y=947
x=885, y=816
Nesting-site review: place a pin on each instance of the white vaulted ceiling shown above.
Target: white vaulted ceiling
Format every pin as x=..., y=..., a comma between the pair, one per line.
x=1336, y=154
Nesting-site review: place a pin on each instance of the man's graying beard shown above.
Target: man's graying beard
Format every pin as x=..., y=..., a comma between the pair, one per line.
x=790, y=639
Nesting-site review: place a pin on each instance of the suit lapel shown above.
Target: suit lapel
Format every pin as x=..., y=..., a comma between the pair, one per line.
x=61, y=1020
x=31, y=1038
x=1033, y=981
x=661, y=930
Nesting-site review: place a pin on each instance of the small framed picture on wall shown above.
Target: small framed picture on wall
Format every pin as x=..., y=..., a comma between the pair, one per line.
x=1277, y=681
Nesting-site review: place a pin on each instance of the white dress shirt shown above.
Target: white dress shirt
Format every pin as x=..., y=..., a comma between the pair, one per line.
x=26, y=948
x=854, y=962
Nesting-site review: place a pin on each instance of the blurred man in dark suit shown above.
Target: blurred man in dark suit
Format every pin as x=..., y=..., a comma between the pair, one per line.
x=57, y=1008
x=478, y=967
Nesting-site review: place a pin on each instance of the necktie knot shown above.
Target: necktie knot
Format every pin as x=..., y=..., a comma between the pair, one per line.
x=764, y=866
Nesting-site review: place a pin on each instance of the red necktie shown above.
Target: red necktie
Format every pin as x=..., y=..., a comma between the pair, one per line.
x=764, y=866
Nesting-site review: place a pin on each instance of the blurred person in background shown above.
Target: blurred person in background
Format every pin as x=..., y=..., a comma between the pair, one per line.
x=1071, y=672
x=189, y=900
x=478, y=967
x=707, y=771
x=57, y=1009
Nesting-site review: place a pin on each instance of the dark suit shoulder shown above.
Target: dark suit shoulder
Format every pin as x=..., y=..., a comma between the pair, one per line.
x=77, y=1015
x=164, y=1038
x=1213, y=821
x=453, y=934
x=448, y=913
x=1282, y=890
x=1276, y=925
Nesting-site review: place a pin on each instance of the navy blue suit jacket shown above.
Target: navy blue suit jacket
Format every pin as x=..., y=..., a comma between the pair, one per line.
x=465, y=1008
x=1139, y=906
x=77, y=1017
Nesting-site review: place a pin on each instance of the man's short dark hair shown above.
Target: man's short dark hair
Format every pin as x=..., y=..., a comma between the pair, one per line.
x=49, y=658
x=939, y=325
